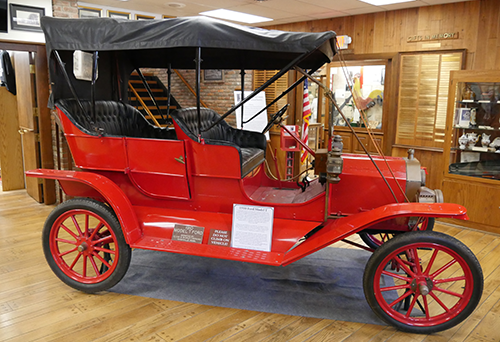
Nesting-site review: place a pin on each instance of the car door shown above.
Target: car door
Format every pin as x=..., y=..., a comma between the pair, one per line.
x=158, y=167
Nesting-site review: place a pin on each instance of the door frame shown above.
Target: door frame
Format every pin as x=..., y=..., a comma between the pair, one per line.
x=42, y=112
x=390, y=90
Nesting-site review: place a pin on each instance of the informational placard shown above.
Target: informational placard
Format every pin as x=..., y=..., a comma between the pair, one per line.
x=188, y=233
x=463, y=116
x=82, y=65
x=251, y=108
x=219, y=237
x=252, y=227
x=469, y=157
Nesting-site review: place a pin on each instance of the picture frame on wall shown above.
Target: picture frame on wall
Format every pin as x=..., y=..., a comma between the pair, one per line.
x=89, y=12
x=118, y=15
x=143, y=17
x=26, y=18
x=213, y=75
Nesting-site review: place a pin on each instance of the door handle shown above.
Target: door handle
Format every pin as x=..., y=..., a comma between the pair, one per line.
x=180, y=159
x=24, y=130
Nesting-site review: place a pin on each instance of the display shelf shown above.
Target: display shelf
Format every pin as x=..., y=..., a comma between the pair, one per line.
x=473, y=118
x=477, y=102
x=477, y=128
x=474, y=150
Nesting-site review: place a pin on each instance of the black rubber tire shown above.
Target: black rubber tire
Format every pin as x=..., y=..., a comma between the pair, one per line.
x=368, y=240
x=420, y=237
x=106, y=214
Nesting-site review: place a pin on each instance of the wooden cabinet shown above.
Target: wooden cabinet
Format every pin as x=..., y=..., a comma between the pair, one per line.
x=472, y=146
x=352, y=145
x=346, y=140
x=356, y=144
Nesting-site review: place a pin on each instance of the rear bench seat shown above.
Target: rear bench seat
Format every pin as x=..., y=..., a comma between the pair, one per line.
x=114, y=118
x=250, y=145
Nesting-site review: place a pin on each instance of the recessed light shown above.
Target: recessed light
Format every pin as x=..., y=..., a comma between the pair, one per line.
x=176, y=4
x=235, y=16
x=384, y=2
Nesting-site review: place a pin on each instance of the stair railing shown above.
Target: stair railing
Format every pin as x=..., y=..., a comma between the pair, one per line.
x=143, y=104
x=150, y=93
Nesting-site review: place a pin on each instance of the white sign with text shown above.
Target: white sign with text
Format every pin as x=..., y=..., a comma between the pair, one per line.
x=252, y=227
x=251, y=108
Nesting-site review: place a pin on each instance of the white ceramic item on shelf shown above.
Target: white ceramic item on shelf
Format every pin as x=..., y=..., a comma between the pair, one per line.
x=485, y=139
x=472, y=139
x=496, y=143
x=473, y=122
x=463, y=140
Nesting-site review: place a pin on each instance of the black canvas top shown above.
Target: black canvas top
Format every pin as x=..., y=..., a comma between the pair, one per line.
x=224, y=45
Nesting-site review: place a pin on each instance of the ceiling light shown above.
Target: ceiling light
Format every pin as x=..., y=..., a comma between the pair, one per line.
x=384, y=2
x=176, y=5
x=235, y=16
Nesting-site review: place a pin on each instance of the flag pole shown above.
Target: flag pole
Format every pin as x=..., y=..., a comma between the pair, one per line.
x=306, y=115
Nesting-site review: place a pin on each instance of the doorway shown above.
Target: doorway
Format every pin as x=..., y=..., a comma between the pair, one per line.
x=363, y=89
x=26, y=135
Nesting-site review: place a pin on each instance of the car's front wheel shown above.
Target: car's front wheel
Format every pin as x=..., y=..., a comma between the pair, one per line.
x=423, y=282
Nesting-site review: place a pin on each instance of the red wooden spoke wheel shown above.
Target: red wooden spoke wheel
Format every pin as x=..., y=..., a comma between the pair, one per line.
x=423, y=282
x=376, y=240
x=84, y=245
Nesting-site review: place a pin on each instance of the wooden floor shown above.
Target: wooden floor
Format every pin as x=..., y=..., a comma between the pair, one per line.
x=36, y=306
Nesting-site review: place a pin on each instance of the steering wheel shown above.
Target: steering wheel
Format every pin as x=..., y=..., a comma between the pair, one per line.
x=276, y=118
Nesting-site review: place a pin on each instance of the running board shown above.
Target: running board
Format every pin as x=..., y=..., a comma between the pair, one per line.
x=211, y=251
x=208, y=234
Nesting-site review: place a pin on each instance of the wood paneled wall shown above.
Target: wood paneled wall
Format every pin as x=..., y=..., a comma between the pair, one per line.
x=383, y=34
x=477, y=23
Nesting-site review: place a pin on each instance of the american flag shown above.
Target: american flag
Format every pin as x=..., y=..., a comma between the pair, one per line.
x=306, y=115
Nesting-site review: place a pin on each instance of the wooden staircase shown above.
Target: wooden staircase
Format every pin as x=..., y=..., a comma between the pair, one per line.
x=145, y=104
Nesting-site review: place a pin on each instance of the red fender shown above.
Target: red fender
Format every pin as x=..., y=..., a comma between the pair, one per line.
x=107, y=189
x=338, y=229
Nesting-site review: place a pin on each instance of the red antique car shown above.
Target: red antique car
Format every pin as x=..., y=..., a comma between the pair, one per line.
x=199, y=187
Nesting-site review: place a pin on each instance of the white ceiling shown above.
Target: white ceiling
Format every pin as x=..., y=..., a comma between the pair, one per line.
x=282, y=11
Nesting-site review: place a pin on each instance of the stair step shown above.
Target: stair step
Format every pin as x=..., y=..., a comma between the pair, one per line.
x=143, y=74
x=140, y=82
x=149, y=99
x=157, y=116
x=153, y=90
x=154, y=107
x=139, y=97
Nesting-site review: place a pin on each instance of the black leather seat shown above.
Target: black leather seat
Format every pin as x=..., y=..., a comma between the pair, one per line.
x=114, y=118
x=250, y=145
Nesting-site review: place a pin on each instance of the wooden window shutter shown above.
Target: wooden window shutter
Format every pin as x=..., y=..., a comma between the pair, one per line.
x=423, y=96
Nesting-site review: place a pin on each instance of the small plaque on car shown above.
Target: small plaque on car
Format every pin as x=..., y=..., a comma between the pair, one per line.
x=188, y=233
x=219, y=237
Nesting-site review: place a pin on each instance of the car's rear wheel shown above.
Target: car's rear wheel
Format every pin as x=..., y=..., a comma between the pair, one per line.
x=84, y=245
